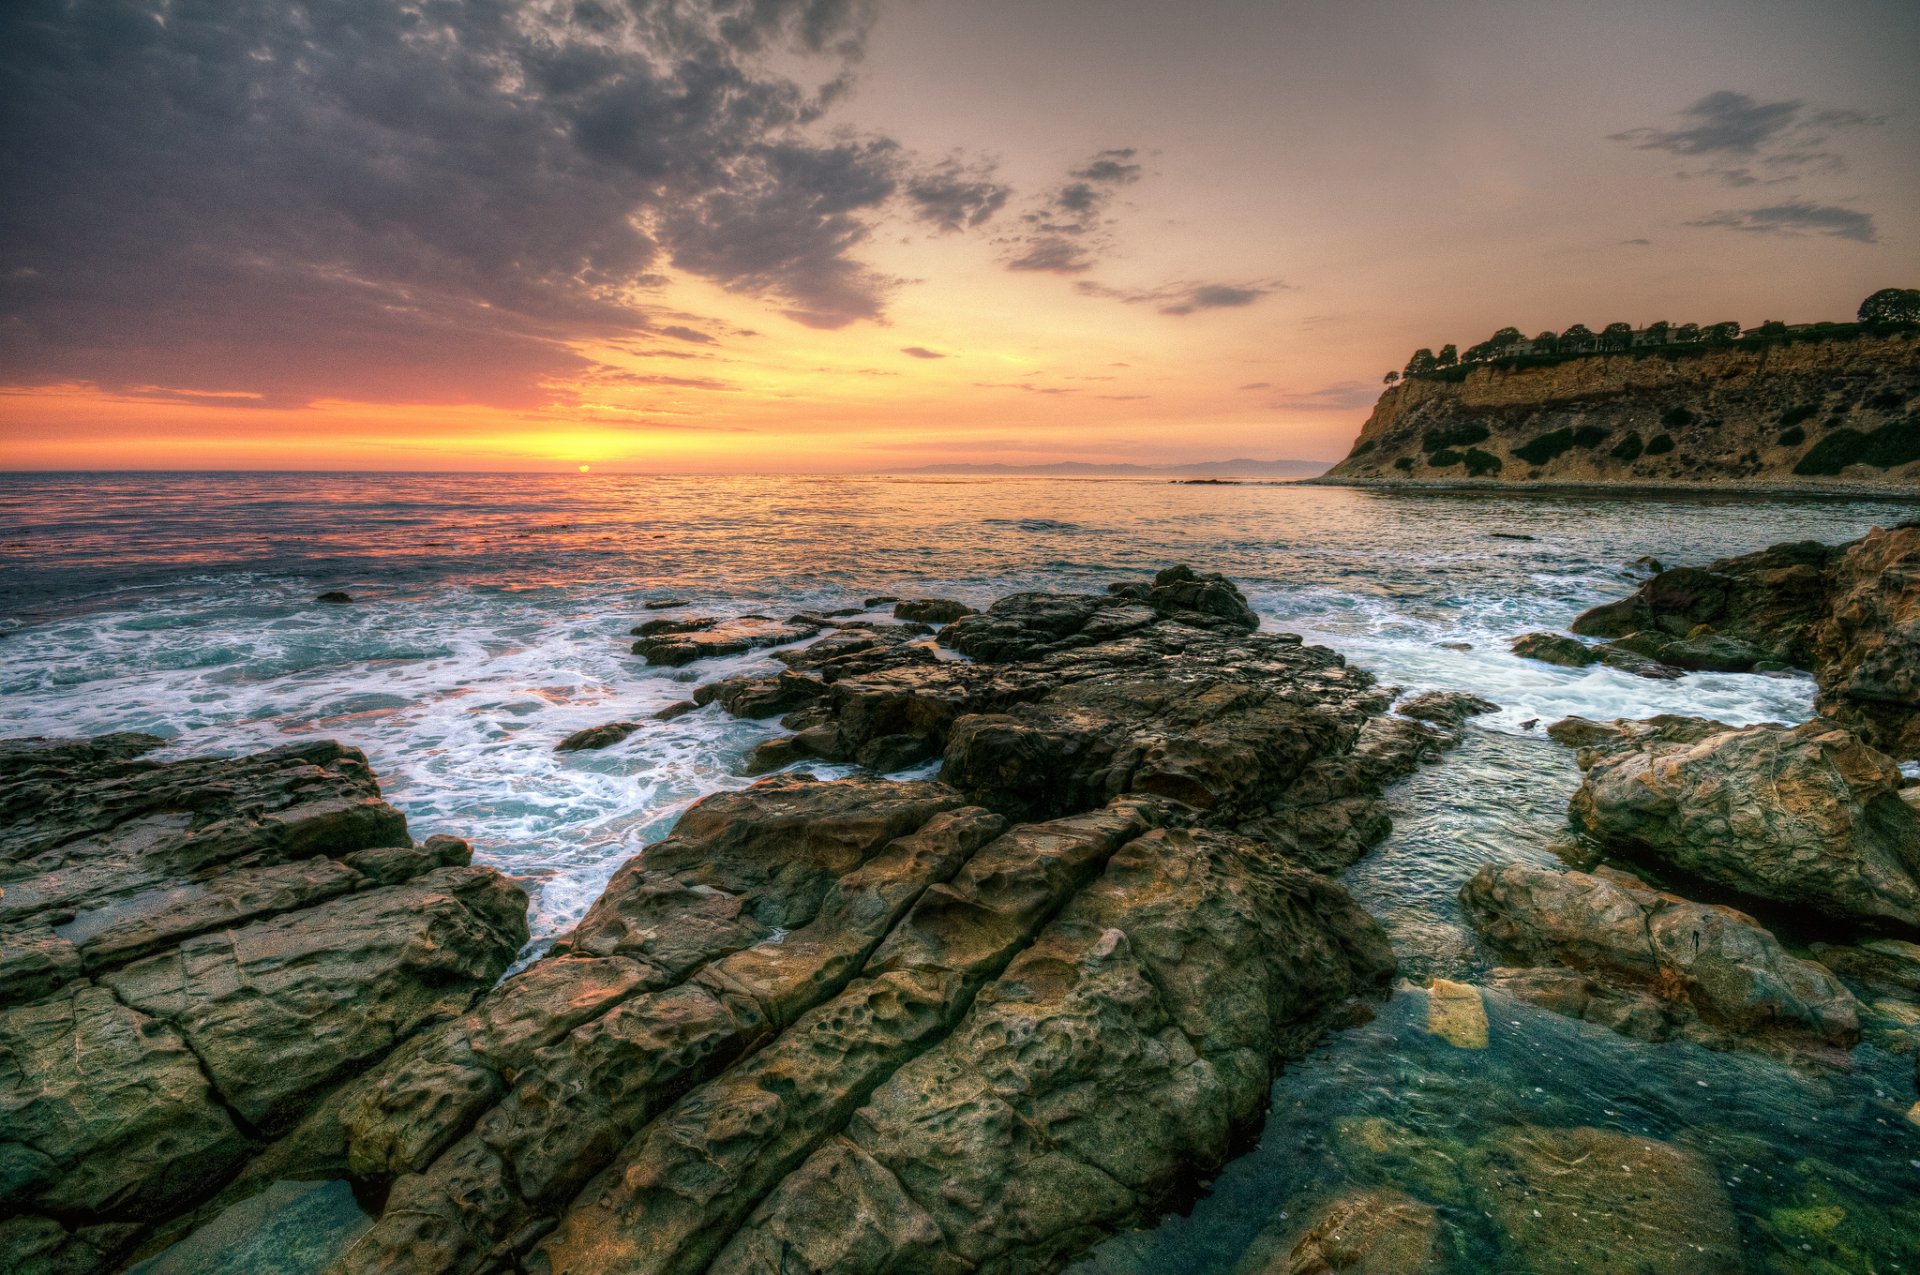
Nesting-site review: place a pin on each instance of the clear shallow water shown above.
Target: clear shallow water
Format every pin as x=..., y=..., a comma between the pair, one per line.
x=492, y=620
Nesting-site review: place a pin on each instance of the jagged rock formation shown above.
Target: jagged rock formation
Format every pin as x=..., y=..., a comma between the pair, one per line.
x=193, y=956
x=873, y=1025
x=1803, y=414
x=1850, y=613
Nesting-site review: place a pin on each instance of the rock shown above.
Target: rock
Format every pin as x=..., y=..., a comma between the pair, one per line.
x=1712, y=652
x=931, y=610
x=1456, y=1014
x=677, y=642
x=1448, y=708
x=196, y=953
x=759, y=697
x=1804, y=817
x=1182, y=592
x=865, y=1024
x=879, y=600
x=1623, y=657
x=679, y=708
x=667, y=604
x=1552, y=648
x=1576, y=1201
x=1364, y=1232
x=1699, y=959
x=335, y=597
x=603, y=736
x=1850, y=613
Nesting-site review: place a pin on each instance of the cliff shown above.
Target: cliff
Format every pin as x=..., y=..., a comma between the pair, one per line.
x=1841, y=414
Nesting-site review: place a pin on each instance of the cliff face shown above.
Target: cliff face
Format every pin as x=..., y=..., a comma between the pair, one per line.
x=1842, y=413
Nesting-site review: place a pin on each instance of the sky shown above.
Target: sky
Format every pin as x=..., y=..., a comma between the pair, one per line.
x=834, y=235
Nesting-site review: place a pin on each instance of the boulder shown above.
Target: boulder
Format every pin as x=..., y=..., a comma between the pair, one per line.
x=603, y=736
x=197, y=953
x=1697, y=959
x=1554, y=648
x=1450, y=709
x=931, y=610
x=1802, y=817
x=335, y=597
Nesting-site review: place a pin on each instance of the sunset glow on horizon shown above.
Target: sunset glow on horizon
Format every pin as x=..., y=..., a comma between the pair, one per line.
x=892, y=235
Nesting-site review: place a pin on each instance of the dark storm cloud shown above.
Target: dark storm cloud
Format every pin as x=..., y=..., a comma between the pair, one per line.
x=418, y=202
x=921, y=352
x=1185, y=298
x=1747, y=142
x=1796, y=219
x=1066, y=230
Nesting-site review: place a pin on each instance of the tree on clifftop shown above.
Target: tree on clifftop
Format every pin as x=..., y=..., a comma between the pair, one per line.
x=1392, y=378
x=1422, y=361
x=1892, y=305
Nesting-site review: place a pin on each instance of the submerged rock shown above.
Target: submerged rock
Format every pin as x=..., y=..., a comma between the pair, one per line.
x=1364, y=1232
x=335, y=596
x=197, y=952
x=1850, y=613
x=1695, y=959
x=1805, y=816
x=1577, y=1201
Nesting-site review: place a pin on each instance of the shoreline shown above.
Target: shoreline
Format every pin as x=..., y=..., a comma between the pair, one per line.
x=1650, y=487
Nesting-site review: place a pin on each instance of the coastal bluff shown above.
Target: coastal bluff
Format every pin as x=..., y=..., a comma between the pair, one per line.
x=1808, y=415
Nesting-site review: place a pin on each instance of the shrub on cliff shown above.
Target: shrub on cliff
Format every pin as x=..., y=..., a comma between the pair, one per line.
x=1482, y=464
x=1895, y=443
x=1676, y=418
x=1798, y=413
x=1445, y=458
x=1435, y=440
x=1659, y=444
x=1628, y=449
x=1792, y=437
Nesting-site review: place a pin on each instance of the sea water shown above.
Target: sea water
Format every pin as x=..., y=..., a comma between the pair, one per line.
x=491, y=619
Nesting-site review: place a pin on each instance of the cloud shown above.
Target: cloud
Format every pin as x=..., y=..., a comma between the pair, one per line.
x=921, y=352
x=1182, y=299
x=1066, y=230
x=1257, y=385
x=1773, y=142
x=1342, y=396
x=954, y=195
x=1795, y=219
x=425, y=203
x=1028, y=386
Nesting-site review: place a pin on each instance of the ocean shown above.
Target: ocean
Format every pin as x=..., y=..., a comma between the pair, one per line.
x=491, y=615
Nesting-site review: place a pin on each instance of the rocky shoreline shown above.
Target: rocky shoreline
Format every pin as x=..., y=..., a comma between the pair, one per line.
x=972, y=1023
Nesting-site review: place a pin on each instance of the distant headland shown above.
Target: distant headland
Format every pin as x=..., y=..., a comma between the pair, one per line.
x=1787, y=406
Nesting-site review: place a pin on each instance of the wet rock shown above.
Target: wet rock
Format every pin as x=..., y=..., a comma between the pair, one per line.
x=667, y=604
x=1850, y=613
x=859, y=650
x=1553, y=648
x=1448, y=708
x=1697, y=959
x=196, y=953
x=679, y=708
x=335, y=597
x=602, y=736
x=1805, y=817
x=1364, y=1232
x=754, y=698
x=1575, y=1201
x=1182, y=592
x=931, y=610
x=673, y=643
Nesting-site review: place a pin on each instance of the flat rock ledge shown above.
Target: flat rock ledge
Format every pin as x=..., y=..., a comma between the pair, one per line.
x=193, y=956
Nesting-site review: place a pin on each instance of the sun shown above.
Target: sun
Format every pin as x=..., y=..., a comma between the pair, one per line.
x=585, y=468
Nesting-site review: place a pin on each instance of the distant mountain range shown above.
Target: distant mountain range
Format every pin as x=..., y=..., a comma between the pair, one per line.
x=1083, y=469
